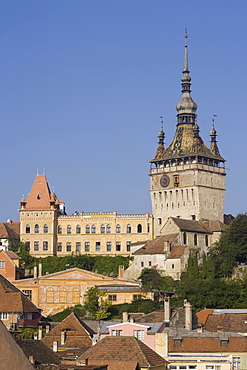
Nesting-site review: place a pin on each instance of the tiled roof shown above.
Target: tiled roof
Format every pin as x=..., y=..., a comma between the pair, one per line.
x=12, y=299
x=208, y=344
x=201, y=226
x=155, y=316
x=76, y=335
x=123, y=349
x=41, y=353
x=157, y=245
x=12, y=255
x=117, y=365
x=118, y=288
x=227, y=321
x=9, y=230
x=177, y=251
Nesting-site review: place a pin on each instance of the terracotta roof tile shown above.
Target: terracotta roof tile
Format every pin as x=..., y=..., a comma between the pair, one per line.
x=177, y=251
x=200, y=226
x=203, y=315
x=228, y=321
x=157, y=245
x=10, y=230
x=42, y=354
x=152, y=317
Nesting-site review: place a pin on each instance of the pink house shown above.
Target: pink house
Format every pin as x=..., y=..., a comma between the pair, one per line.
x=144, y=331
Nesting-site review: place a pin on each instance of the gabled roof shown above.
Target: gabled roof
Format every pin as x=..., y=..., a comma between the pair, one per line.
x=9, y=230
x=123, y=349
x=77, y=334
x=152, y=317
x=228, y=320
x=14, y=300
x=201, y=226
x=41, y=353
x=156, y=246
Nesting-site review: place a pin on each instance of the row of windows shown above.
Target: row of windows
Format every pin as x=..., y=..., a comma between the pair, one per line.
x=63, y=295
x=137, y=333
x=36, y=229
x=195, y=239
x=97, y=246
x=36, y=245
x=113, y=297
x=103, y=229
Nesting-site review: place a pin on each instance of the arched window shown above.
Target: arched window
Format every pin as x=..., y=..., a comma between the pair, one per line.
x=27, y=229
x=59, y=229
x=195, y=239
x=68, y=229
x=76, y=295
x=128, y=229
x=118, y=228
x=36, y=229
x=184, y=238
x=78, y=229
x=108, y=229
x=102, y=229
x=63, y=295
x=93, y=229
x=45, y=229
x=206, y=240
x=87, y=229
x=50, y=295
x=139, y=228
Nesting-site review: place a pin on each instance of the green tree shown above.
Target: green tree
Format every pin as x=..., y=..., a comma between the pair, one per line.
x=151, y=279
x=96, y=306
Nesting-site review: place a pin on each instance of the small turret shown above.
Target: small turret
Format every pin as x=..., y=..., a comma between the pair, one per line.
x=213, y=134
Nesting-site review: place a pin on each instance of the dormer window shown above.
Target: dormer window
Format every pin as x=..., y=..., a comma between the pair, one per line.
x=224, y=341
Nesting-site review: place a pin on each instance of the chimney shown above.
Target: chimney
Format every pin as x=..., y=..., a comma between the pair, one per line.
x=62, y=337
x=40, y=267
x=125, y=317
x=35, y=271
x=35, y=335
x=167, y=308
x=120, y=272
x=54, y=347
x=40, y=332
x=47, y=329
x=188, y=315
x=31, y=359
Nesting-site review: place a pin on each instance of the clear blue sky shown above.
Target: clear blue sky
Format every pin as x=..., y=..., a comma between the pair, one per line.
x=84, y=82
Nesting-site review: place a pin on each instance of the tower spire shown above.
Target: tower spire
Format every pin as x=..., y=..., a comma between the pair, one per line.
x=213, y=134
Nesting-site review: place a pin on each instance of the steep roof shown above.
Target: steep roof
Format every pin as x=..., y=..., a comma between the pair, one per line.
x=77, y=334
x=9, y=230
x=12, y=299
x=155, y=316
x=123, y=349
x=41, y=353
x=156, y=246
x=227, y=320
x=201, y=226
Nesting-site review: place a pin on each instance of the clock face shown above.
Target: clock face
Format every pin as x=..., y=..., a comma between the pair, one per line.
x=164, y=181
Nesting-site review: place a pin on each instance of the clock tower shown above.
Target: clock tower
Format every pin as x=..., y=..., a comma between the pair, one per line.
x=187, y=179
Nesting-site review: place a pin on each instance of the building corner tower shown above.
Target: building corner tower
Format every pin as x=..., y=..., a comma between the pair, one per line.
x=187, y=179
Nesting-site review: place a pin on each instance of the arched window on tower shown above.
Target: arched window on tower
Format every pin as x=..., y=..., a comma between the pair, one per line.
x=195, y=239
x=108, y=229
x=128, y=229
x=59, y=229
x=118, y=228
x=184, y=238
x=68, y=229
x=27, y=229
x=78, y=229
x=36, y=229
x=139, y=228
x=45, y=229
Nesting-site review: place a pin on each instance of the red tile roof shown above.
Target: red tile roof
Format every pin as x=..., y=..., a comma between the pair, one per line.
x=201, y=226
x=203, y=315
x=157, y=245
x=177, y=251
x=9, y=230
x=227, y=320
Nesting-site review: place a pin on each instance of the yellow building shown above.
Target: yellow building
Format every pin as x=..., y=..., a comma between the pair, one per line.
x=47, y=230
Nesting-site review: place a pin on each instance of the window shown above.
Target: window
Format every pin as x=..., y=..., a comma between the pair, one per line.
x=59, y=229
x=117, y=333
x=173, y=266
x=87, y=246
x=45, y=229
x=139, y=228
x=148, y=228
x=68, y=247
x=68, y=229
x=87, y=229
x=76, y=295
x=102, y=229
x=142, y=264
x=63, y=295
x=236, y=362
x=195, y=239
x=27, y=229
x=112, y=297
x=118, y=228
x=3, y=315
x=45, y=246
x=185, y=238
x=108, y=246
x=118, y=246
x=78, y=246
x=128, y=229
x=2, y=264
x=27, y=246
x=149, y=263
x=224, y=341
x=28, y=294
x=108, y=229
x=59, y=247
x=193, y=217
x=136, y=297
x=206, y=240
x=78, y=229
x=49, y=295
x=139, y=334
x=159, y=220
x=36, y=246
x=176, y=181
x=36, y=229
x=128, y=246
x=93, y=229
x=97, y=246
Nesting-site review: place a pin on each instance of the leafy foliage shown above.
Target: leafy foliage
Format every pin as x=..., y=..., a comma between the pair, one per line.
x=140, y=305
x=60, y=316
x=27, y=333
x=96, y=306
